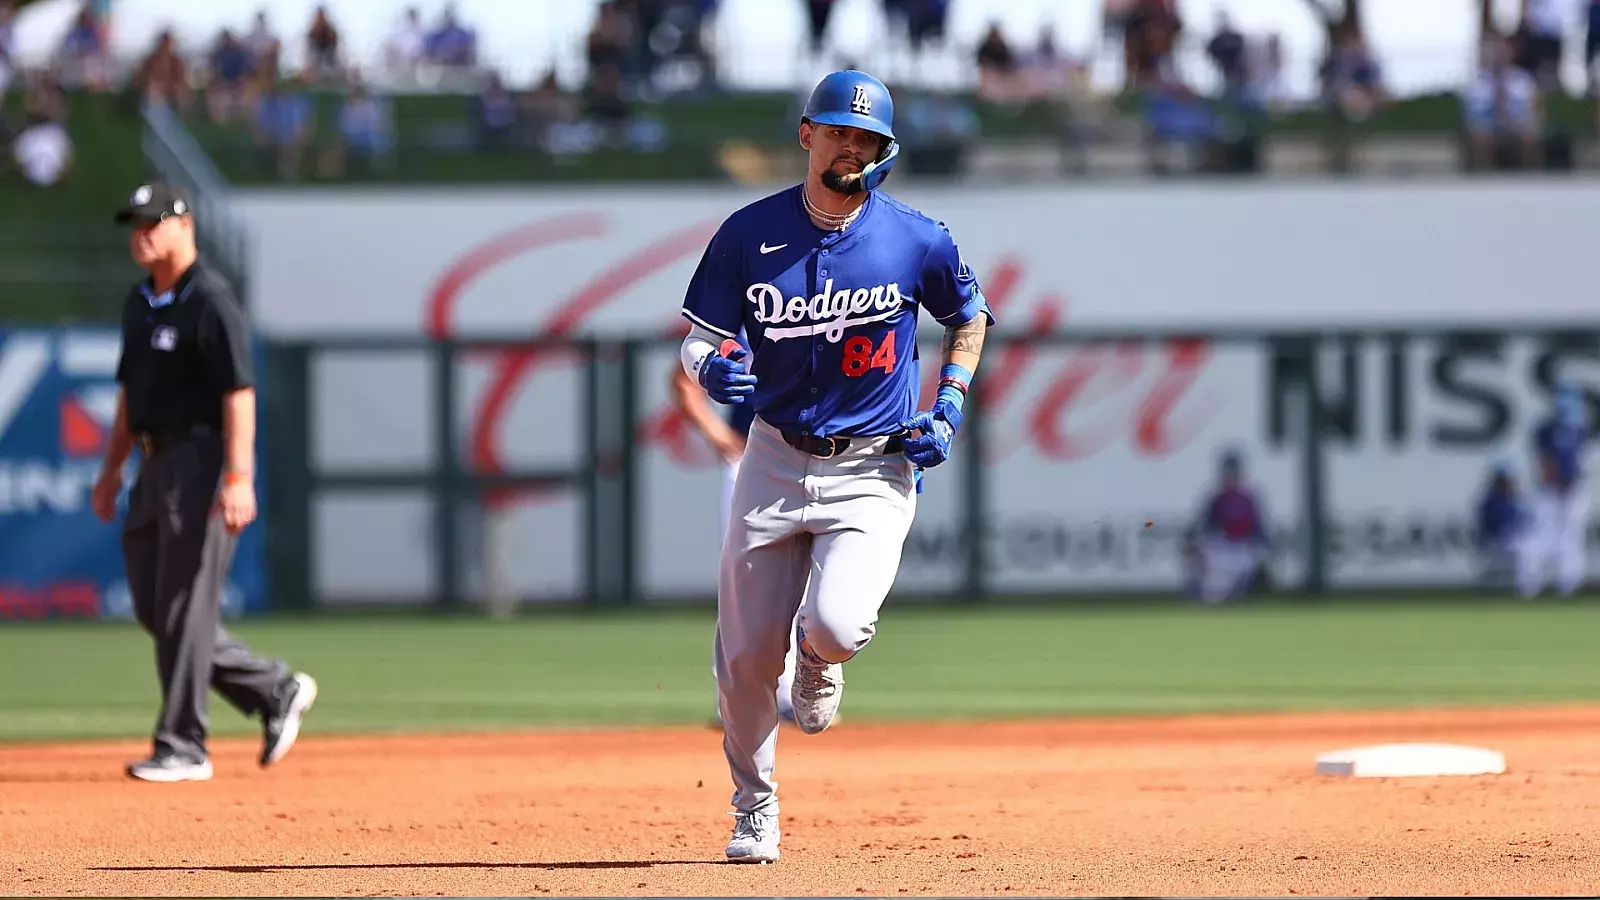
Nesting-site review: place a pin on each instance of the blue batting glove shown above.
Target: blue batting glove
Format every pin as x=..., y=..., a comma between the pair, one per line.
x=938, y=427
x=724, y=379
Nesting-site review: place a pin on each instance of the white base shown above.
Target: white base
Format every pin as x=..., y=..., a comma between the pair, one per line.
x=1411, y=760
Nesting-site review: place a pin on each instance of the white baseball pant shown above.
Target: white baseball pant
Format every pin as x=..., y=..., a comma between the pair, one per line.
x=1557, y=541
x=817, y=537
x=730, y=473
x=1509, y=563
x=1225, y=565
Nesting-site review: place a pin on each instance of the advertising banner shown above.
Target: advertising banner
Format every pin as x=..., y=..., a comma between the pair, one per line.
x=1098, y=457
x=58, y=398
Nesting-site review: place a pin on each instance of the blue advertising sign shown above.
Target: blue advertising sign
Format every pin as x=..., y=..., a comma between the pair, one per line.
x=58, y=400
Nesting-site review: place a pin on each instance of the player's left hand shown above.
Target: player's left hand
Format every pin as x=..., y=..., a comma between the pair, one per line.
x=938, y=427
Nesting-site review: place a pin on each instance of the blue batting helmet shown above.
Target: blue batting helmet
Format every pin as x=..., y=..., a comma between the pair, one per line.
x=857, y=100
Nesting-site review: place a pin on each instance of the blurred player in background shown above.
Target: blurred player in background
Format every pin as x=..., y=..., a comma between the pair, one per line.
x=1232, y=539
x=1504, y=528
x=728, y=438
x=1561, y=514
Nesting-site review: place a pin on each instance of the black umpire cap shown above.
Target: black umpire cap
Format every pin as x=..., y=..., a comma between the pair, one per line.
x=154, y=202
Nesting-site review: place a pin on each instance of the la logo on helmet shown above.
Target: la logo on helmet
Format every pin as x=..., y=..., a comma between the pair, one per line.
x=861, y=104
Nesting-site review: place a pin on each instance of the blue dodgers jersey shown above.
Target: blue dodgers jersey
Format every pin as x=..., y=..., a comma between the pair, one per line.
x=832, y=316
x=1232, y=514
x=1500, y=518
x=1560, y=445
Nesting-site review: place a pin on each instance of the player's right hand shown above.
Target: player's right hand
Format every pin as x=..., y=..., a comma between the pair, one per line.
x=724, y=379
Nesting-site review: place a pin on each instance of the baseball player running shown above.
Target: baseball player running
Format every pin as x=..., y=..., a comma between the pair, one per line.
x=728, y=438
x=1503, y=532
x=1233, y=538
x=827, y=279
x=1562, y=506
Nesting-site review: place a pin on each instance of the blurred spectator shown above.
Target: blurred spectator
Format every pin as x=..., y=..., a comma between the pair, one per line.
x=939, y=124
x=495, y=114
x=545, y=107
x=603, y=100
x=921, y=21
x=1352, y=81
x=1267, y=84
x=43, y=152
x=611, y=40
x=925, y=21
x=283, y=125
x=366, y=133
x=997, y=68
x=679, y=60
x=1150, y=32
x=1591, y=46
x=163, y=78
x=322, y=48
x=1543, y=24
x=1229, y=52
x=1177, y=121
x=452, y=46
x=232, y=69
x=1114, y=15
x=1504, y=526
x=608, y=118
x=82, y=59
x=408, y=46
x=1502, y=112
x=8, y=70
x=1232, y=541
x=1049, y=72
x=266, y=50
x=818, y=14
x=1352, y=89
x=1063, y=84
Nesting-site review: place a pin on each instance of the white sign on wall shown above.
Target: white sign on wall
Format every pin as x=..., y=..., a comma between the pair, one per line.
x=1086, y=444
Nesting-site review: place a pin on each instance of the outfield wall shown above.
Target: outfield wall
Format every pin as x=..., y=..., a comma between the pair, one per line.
x=1087, y=444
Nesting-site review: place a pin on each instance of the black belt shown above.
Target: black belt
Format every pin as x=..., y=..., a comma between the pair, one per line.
x=829, y=447
x=153, y=442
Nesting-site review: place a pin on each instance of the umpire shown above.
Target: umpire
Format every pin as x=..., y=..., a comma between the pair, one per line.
x=188, y=402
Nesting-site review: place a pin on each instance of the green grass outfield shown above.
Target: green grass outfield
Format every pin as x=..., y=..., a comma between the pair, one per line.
x=391, y=674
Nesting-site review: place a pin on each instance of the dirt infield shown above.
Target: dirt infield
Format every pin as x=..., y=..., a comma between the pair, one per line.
x=1190, y=806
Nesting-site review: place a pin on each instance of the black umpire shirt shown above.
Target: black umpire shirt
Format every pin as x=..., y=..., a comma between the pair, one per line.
x=182, y=353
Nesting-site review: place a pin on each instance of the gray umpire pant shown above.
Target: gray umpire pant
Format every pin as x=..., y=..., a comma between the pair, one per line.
x=177, y=555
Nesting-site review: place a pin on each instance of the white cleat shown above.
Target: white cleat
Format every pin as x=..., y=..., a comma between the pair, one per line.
x=170, y=770
x=816, y=694
x=755, y=838
x=281, y=729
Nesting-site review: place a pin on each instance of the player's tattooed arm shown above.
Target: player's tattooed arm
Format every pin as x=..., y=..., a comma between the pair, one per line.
x=963, y=344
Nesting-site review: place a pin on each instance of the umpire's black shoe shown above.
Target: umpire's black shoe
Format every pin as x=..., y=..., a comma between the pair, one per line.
x=281, y=728
x=169, y=767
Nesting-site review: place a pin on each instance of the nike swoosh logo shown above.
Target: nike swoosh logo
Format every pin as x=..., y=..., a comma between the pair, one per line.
x=765, y=249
